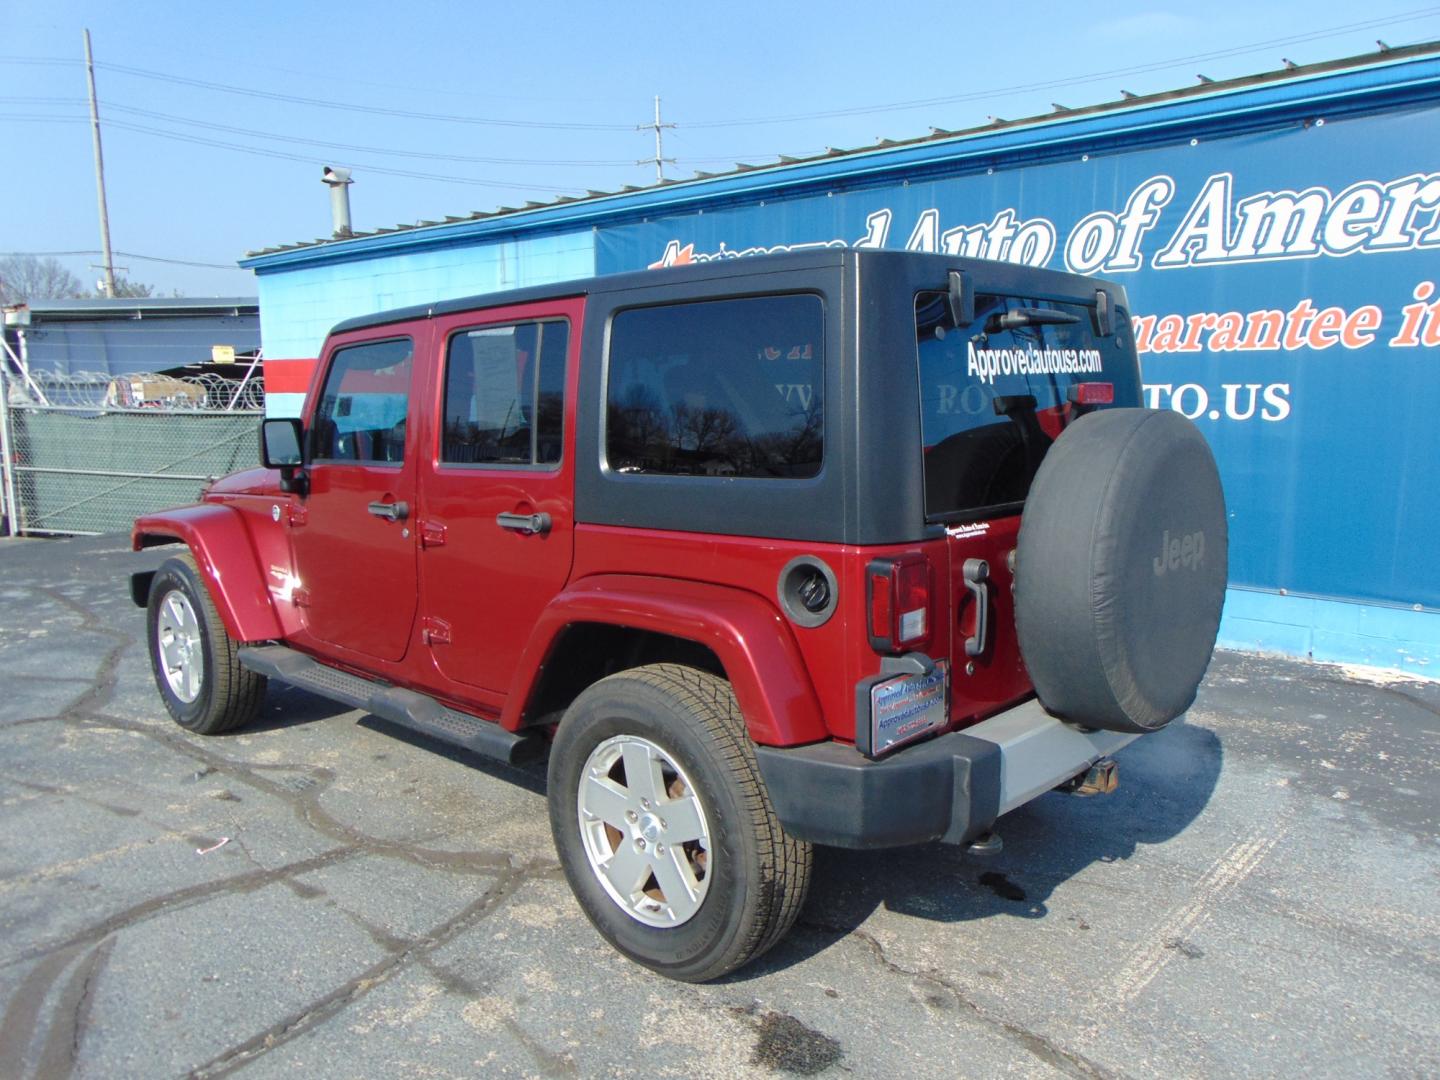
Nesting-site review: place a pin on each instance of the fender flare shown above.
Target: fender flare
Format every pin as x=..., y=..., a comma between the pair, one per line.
x=752, y=640
x=217, y=537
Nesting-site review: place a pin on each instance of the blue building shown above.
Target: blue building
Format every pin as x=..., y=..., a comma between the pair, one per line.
x=122, y=337
x=1277, y=235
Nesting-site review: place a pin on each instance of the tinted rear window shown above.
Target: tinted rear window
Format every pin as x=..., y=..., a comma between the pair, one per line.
x=718, y=388
x=992, y=399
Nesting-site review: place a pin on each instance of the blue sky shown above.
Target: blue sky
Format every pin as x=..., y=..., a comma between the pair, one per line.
x=525, y=101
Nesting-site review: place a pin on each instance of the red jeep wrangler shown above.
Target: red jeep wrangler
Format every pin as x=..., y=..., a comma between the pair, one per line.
x=837, y=547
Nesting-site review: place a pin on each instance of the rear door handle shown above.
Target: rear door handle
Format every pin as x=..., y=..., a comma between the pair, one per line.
x=391, y=511
x=977, y=573
x=529, y=524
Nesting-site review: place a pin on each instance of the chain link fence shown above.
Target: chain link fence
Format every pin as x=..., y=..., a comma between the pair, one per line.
x=87, y=453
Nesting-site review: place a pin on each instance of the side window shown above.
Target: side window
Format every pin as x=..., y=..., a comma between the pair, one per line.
x=362, y=408
x=718, y=388
x=505, y=395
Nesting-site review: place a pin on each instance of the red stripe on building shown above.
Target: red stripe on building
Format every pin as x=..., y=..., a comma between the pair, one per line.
x=288, y=376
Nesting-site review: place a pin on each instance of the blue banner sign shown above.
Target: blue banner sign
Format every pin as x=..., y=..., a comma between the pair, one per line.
x=1284, y=294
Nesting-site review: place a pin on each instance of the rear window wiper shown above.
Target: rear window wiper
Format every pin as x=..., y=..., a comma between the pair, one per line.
x=1027, y=316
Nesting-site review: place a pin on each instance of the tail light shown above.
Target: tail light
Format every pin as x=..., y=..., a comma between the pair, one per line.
x=1093, y=393
x=897, y=593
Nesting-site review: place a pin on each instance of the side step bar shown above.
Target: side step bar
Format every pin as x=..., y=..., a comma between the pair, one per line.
x=404, y=707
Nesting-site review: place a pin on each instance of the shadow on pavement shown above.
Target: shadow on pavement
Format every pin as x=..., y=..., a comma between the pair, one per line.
x=1166, y=780
x=289, y=706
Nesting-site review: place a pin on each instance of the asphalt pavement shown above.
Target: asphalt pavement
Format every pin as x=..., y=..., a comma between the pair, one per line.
x=317, y=897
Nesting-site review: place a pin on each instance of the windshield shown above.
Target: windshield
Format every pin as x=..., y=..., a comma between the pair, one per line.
x=995, y=394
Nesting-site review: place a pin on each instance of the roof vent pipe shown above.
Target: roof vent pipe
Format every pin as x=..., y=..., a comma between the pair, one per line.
x=339, y=182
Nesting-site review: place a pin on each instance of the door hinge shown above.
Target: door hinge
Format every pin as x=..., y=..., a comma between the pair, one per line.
x=434, y=631
x=299, y=514
x=300, y=596
x=432, y=534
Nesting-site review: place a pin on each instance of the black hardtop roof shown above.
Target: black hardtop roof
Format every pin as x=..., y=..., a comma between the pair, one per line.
x=989, y=275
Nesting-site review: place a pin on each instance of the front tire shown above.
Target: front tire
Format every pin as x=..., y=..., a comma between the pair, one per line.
x=664, y=828
x=193, y=658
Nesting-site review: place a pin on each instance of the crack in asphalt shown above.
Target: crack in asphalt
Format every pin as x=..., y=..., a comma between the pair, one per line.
x=17, y=1026
x=62, y=1043
x=92, y=946
x=102, y=684
x=305, y=803
x=72, y=792
x=332, y=1003
x=177, y=900
x=1410, y=699
x=1039, y=1046
x=60, y=1051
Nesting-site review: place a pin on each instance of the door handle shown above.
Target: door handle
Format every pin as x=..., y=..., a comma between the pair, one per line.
x=977, y=573
x=391, y=511
x=528, y=524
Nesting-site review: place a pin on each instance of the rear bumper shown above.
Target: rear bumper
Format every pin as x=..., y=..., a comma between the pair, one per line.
x=951, y=788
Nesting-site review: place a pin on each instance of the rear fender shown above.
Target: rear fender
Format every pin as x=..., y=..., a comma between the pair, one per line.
x=748, y=635
x=225, y=556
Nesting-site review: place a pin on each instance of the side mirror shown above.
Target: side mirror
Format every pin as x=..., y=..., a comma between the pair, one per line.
x=281, y=447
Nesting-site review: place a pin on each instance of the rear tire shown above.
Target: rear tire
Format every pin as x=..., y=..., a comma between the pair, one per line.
x=193, y=658
x=660, y=754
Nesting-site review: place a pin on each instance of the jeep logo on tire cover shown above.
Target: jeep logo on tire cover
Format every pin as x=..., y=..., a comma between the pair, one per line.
x=1187, y=551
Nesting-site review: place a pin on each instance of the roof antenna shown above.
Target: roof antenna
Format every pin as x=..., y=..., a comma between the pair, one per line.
x=1290, y=65
x=1384, y=46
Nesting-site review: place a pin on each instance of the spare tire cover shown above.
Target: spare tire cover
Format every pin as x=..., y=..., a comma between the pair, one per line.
x=1121, y=568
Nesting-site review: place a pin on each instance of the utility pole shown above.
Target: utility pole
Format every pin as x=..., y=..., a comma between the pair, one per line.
x=99, y=173
x=660, y=159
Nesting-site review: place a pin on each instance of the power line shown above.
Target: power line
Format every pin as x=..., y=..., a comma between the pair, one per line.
x=1160, y=65
x=330, y=77
x=259, y=151
x=296, y=99
x=176, y=262
x=299, y=140
x=859, y=110
x=122, y=254
x=252, y=133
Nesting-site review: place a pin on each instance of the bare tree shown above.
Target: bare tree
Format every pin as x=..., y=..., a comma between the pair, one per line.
x=27, y=279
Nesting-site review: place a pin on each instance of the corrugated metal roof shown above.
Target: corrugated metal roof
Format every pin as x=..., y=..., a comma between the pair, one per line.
x=142, y=307
x=1126, y=103
x=118, y=337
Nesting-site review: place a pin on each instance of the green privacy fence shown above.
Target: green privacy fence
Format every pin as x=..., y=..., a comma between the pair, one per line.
x=78, y=470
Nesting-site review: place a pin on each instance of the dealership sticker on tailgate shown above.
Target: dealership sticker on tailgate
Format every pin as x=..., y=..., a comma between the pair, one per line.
x=907, y=707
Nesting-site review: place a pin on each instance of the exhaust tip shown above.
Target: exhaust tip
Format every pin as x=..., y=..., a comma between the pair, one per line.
x=1101, y=778
x=986, y=844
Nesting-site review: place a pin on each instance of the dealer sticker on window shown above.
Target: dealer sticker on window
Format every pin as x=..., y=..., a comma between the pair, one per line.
x=906, y=707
